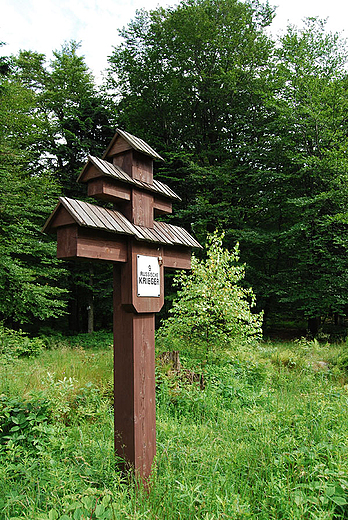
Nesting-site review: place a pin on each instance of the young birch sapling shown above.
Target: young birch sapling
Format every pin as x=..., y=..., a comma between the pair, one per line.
x=212, y=309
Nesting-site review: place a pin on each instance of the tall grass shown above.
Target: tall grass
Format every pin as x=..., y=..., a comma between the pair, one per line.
x=77, y=358
x=266, y=438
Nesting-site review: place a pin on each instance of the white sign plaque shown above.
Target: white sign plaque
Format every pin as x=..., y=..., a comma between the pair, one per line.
x=148, y=276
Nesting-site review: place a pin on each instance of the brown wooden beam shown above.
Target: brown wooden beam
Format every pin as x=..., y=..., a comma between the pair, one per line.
x=134, y=384
x=137, y=165
x=177, y=257
x=142, y=208
x=67, y=242
x=77, y=242
x=105, y=189
x=162, y=206
x=129, y=295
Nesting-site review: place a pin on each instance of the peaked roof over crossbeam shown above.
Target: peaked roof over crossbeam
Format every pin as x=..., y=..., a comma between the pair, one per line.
x=135, y=142
x=115, y=172
x=95, y=217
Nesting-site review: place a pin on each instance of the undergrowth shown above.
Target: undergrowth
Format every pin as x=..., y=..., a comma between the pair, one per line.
x=260, y=433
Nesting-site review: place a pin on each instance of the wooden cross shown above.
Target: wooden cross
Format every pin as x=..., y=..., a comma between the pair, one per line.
x=139, y=248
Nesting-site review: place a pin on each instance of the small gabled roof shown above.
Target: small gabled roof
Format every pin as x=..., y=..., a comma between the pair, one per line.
x=114, y=171
x=135, y=142
x=89, y=215
x=95, y=217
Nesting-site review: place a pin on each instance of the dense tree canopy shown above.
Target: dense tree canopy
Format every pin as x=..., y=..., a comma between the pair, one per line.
x=77, y=121
x=186, y=75
x=28, y=269
x=254, y=132
x=297, y=237
x=51, y=117
x=256, y=135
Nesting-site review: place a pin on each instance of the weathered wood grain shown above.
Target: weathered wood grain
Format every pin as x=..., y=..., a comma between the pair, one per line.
x=122, y=139
x=107, y=190
x=76, y=242
x=162, y=206
x=177, y=258
x=134, y=384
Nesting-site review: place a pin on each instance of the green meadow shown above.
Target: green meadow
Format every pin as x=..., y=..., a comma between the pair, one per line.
x=258, y=432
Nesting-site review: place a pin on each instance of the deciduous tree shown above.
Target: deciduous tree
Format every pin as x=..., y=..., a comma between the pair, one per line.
x=29, y=273
x=212, y=307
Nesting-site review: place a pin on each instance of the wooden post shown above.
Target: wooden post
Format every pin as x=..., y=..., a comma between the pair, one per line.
x=90, y=301
x=134, y=384
x=134, y=350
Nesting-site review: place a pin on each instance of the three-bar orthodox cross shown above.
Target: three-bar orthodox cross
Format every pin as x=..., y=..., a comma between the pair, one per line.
x=139, y=248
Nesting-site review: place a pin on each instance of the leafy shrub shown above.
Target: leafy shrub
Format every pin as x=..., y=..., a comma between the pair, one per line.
x=23, y=423
x=94, y=505
x=324, y=494
x=14, y=344
x=69, y=402
x=213, y=309
x=287, y=358
x=342, y=362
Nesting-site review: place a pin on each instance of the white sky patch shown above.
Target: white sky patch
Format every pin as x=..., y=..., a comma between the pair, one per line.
x=44, y=25
x=294, y=11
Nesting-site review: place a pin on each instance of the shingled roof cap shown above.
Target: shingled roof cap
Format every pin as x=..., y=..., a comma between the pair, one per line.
x=135, y=142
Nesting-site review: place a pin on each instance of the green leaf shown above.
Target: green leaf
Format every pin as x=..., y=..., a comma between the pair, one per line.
x=88, y=502
x=340, y=501
x=79, y=513
x=106, y=500
x=99, y=511
x=53, y=514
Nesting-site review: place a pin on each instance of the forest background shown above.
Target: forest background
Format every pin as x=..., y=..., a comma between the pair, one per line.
x=254, y=135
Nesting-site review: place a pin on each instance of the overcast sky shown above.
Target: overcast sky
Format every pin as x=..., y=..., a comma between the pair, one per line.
x=44, y=25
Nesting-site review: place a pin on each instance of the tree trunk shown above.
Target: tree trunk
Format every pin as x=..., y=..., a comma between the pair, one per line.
x=313, y=325
x=90, y=306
